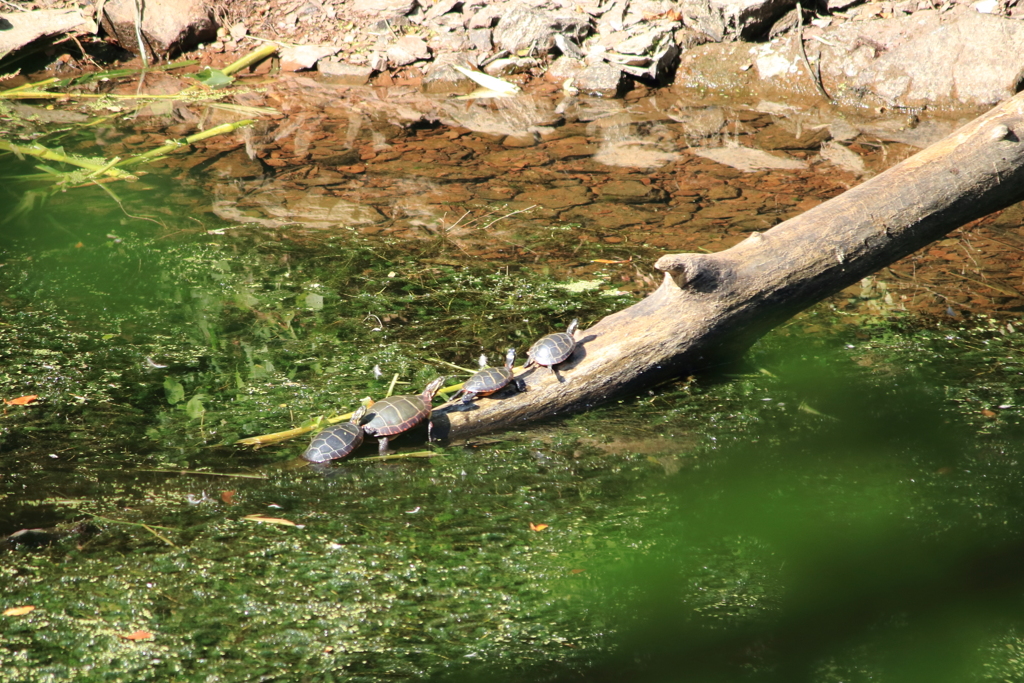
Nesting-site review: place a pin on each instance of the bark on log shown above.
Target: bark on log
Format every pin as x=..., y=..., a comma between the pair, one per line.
x=711, y=306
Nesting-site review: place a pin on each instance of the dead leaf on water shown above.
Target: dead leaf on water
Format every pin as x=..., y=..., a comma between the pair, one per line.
x=18, y=611
x=271, y=520
x=21, y=400
x=227, y=497
x=538, y=527
x=137, y=635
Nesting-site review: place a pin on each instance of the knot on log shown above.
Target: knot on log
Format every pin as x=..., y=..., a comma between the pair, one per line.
x=700, y=272
x=1002, y=131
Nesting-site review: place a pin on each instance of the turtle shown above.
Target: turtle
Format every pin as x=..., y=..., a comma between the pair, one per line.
x=396, y=414
x=337, y=441
x=488, y=380
x=553, y=349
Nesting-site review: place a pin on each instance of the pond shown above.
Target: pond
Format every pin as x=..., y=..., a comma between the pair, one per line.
x=843, y=503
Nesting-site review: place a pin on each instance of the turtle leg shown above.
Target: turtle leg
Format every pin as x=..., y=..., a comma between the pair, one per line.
x=468, y=396
x=383, y=445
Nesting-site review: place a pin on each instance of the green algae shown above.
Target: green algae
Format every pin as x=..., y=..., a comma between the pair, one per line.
x=424, y=570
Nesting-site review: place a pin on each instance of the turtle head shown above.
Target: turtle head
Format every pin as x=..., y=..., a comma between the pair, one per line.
x=510, y=358
x=358, y=415
x=431, y=389
x=572, y=327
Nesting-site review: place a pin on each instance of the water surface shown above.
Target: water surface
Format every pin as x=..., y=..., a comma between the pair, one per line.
x=840, y=504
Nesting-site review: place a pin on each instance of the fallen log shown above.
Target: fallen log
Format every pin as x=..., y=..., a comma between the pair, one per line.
x=711, y=307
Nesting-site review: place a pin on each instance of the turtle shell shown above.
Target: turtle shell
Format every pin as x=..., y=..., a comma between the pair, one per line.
x=397, y=414
x=554, y=348
x=488, y=381
x=334, y=442
x=337, y=441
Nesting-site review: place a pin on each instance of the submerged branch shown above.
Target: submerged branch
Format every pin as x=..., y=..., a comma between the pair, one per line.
x=184, y=142
x=38, y=151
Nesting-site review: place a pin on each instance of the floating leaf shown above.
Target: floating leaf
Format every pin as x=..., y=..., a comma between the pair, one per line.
x=194, y=408
x=22, y=400
x=18, y=611
x=174, y=391
x=213, y=78
x=270, y=520
x=538, y=527
x=137, y=635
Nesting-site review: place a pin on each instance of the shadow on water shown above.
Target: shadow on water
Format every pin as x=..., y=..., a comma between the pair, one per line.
x=843, y=504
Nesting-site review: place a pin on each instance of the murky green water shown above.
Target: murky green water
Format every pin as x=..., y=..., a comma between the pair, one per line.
x=843, y=504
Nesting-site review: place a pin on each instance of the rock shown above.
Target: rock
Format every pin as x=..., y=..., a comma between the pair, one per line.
x=29, y=112
x=276, y=209
x=167, y=25
x=522, y=28
x=687, y=37
x=564, y=68
x=436, y=171
x=447, y=43
x=440, y=8
x=384, y=9
x=787, y=134
x=704, y=19
x=235, y=165
x=344, y=73
x=748, y=160
x=484, y=18
x=634, y=154
x=557, y=198
x=440, y=77
x=600, y=80
x=748, y=18
x=627, y=60
x=407, y=50
x=480, y=39
x=520, y=140
x=843, y=158
x=18, y=29
x=571, y=148
x=501, y=116
x=907, y=61
x=630, y=192
x=304, y=57
x=609, y=216
x=568, y=47
x=641, y=43
x=326, y=212
x=612, y=19
x=511, y=65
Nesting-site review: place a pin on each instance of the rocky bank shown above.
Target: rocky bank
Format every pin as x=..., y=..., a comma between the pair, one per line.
x=946, y=54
